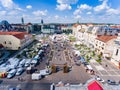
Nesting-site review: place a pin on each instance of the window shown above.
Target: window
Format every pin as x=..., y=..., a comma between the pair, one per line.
x=10, y=42
x=5, y=42
x=117, y=52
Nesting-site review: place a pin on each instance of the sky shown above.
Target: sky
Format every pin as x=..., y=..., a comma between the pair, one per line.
x=60, y=11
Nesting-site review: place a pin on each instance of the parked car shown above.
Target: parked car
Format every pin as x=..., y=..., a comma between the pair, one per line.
x=19, y=71
x=99, y=79
x=27, y=63
x=22, y=63
x=14, y=89
x=111, y=82
x=11, y=73
x=85, y=64
x=45, y=72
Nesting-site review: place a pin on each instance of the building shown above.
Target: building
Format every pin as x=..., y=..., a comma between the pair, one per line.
x=23, y=27
x=15, y=40
x=87, y=33
x=29, y=27
x=51, y=28
x=104, y=44
x=5, y=26
x=116, y=52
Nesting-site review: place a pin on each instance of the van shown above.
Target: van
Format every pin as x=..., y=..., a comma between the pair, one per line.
x=36, y=76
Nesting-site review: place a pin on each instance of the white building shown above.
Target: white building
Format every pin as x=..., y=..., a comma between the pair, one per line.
x=116, y=52
x=15, y=40
x=104, y=45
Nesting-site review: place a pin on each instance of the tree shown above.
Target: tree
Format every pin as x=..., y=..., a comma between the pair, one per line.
x=65, y=68
x=99, y=60
x=53, y=69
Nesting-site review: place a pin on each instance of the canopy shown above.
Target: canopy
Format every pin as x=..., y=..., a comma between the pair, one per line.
x=94, y=86
x=89, y=67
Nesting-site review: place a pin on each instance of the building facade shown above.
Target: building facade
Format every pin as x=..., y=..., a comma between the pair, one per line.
x=116, y=52
x=15, y=40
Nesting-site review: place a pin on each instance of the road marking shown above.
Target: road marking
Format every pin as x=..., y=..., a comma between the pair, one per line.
x=18, y=86
x=4, y=87
x=109, y=75
x=100, y=66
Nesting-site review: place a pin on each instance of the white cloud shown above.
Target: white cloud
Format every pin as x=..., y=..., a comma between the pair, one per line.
x=77, y=17
x=40, y=13
x=67, y=1
x=3, y=12
x=62, y=7
x=102, y=7
x=81, y=8
x=13, y=12
x=77, y=11
x=85, y=7
x=29, y=7
x=88, y=13
x=9, y=4
x=113, y=11
x=56, y=16
x=65, y=4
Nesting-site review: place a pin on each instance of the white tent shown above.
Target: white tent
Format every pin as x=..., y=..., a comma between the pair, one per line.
x=77, y=52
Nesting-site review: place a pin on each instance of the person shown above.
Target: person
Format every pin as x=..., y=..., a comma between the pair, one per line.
x=18, y=79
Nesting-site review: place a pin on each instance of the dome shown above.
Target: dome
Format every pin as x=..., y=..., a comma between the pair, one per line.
x=4, y=22
x=4, y=25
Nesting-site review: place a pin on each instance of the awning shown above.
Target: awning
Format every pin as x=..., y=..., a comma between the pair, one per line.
x=94, y=86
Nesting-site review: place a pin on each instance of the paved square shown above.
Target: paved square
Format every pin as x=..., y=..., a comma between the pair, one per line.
x=100, y=68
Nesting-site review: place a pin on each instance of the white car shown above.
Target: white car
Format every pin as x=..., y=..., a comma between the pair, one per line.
x=27, y=63
x=11, y=73
x=99, y=79
x=19, y=71
x=45, y=72
x=22, y=63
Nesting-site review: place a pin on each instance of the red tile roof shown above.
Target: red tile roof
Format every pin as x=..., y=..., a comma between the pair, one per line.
x=94, y=86
x=29, y=23
x=75, y=25
x=105, y=38
x=19, y=35
x=115, y=26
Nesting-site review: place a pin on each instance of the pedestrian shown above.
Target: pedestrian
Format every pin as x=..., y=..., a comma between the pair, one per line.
x=18, y=79
x=119, y=82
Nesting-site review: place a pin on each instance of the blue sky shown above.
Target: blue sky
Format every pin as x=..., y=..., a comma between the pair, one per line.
x=60, y=11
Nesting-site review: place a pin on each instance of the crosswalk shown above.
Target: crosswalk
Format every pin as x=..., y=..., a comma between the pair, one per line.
x=4, y=87
x=7, y=86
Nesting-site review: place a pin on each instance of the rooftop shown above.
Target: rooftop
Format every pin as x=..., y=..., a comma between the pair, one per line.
x=75, y=25
x=19, y=35
x=106, y=38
